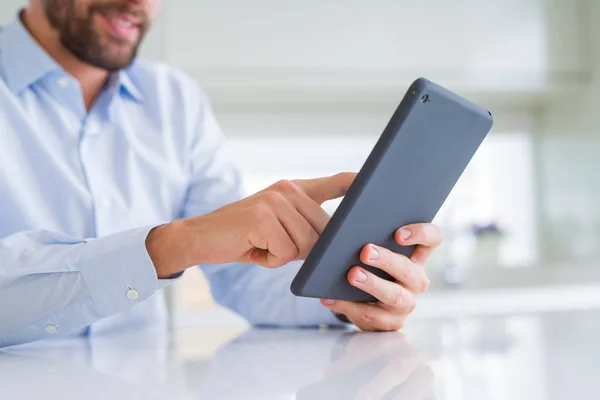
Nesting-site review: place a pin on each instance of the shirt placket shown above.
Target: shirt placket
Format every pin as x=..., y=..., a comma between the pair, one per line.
x=95, y=159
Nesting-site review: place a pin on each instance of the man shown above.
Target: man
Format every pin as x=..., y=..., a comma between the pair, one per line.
x=113, y=180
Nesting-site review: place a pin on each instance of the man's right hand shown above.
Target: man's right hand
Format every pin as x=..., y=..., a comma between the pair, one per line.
x=271, y=228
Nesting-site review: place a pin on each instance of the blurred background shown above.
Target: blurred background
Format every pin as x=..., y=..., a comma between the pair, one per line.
x=304, y=89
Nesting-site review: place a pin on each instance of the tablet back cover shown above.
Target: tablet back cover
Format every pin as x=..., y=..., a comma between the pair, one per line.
x=406, y=178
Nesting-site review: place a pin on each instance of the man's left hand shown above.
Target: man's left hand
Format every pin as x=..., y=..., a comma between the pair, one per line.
x=396, y=300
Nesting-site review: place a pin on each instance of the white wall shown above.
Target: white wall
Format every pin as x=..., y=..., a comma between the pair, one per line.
x=568, y=158
x=9, y=8
x=365, y=52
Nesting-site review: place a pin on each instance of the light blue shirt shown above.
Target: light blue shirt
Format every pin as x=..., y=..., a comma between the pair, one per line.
x=79, y=192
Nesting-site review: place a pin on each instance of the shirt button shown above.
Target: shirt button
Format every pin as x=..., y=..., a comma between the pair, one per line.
x=133, y=294
x=63, y=82
x=51, y=329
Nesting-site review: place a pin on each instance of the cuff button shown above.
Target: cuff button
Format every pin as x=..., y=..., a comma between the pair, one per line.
x=133, y=294
x=51, y=329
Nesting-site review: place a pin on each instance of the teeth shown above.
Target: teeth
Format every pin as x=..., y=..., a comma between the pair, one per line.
x=121, y=22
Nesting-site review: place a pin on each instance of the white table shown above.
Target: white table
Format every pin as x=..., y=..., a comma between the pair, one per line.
x=535, y=357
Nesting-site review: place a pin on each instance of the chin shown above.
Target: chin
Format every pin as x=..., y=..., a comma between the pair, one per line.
x=119, y=60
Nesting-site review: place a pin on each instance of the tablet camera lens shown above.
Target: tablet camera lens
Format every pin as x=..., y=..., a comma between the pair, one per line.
x=425, y=98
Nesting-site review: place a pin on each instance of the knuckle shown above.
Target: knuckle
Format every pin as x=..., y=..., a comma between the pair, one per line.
x=373, y=288
x=408, y=269
x=386, y=261
x=366, y=318
x=290, y=254
x=398, y=301
x=385, y=256
x=261, y=211
x=412, y=305
x=396, y=325
x=425, y=284
x=430, y=234
x=273, y=197
x=286, y=186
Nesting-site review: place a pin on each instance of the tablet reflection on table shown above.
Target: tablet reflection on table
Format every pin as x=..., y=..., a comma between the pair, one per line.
x=318, y=365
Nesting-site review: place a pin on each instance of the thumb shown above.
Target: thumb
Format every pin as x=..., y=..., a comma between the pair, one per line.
x=330, y=187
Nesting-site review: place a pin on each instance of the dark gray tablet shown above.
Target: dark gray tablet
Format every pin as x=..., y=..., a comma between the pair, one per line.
x=428, y=143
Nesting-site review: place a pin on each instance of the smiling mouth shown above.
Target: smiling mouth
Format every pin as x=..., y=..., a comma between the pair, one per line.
x=121, y=22
x=124, y=26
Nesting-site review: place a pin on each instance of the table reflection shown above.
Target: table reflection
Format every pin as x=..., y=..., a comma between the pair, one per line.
x=328, y=365
x=129, y=365
x=259, y=364
x=539, y=356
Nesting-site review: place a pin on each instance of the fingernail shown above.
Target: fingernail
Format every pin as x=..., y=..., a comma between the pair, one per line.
x=373, y=253
x=404, y=234
x=361, y=276
x=330, y=302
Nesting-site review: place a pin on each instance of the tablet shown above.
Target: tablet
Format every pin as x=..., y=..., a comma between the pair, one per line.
x=416, y=162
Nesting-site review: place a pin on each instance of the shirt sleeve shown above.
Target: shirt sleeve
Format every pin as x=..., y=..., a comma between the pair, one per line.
x=260, y=295
x=53, y=284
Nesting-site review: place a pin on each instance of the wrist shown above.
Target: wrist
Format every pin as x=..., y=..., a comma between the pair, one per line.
x=167, y=247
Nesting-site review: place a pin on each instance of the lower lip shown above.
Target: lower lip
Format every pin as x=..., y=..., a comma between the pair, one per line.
x=126, y=32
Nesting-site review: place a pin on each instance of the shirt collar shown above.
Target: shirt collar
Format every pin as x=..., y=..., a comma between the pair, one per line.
x=127, y=84
x=25, y=62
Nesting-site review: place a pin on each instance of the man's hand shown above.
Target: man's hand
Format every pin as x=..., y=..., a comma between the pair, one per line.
x=270, y=228
x=396, y=300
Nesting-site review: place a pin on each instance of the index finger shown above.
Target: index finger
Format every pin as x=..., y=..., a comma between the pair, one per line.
x=331, y=187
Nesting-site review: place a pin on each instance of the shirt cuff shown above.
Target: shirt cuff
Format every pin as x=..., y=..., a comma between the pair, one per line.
x=118, y=270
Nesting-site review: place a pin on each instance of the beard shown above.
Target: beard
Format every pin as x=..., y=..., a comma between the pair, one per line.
x=79, y=33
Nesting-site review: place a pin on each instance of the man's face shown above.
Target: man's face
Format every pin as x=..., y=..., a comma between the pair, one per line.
x=103, y=33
